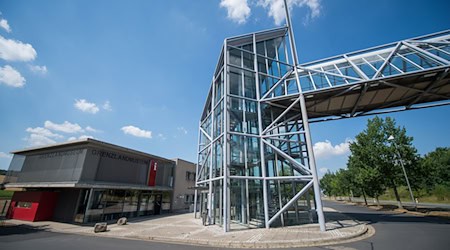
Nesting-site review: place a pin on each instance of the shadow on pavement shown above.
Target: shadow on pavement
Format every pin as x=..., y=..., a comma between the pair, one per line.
x=9, y=229
x=372, y=218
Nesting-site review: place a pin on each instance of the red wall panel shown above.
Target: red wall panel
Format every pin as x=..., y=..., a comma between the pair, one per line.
x=42, y=206
x=152, y=173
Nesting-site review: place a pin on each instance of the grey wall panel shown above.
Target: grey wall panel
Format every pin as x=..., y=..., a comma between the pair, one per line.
x=119, y=167
x=66, y=205
x=91, y=163
x=55, y=166
x=164, y=174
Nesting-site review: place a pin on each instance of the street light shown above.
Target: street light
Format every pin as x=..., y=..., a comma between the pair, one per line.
x=391, y=139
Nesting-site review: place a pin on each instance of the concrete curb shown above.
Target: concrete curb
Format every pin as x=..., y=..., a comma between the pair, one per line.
x=363, y=230
x=274, y=244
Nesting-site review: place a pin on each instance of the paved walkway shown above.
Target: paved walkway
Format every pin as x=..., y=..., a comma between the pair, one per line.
x=184, y=229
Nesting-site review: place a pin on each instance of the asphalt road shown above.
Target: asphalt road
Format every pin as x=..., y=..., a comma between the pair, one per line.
x=407, y=203
x=393, y=231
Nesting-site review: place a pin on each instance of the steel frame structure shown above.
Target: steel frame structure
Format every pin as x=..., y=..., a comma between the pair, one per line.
x=256, y=166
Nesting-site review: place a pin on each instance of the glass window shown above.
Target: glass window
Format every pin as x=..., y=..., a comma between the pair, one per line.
x=279, y=90
x=253, y=156
x=320, y=80
x=248, y=60
x=147, y=203
x=292, y=86
x=217, y=158
x=235, y=81
x=131, y=202
x=248, y=47
x=389, y=70
x=270, y=46
x=24, y=204
x=260, y=50
x=262, y=65
x=265, y=83
x=403, y=65
x=236, y=115
x=249, y=84
x=440, y=53
x=419, y=59
x=235, y=57
x=237, y=162
x=367, y=69
x=251, y=117
x=218, y=120
x=218, y=87
x=347, y=69
x=281, y=49
x=305, y=82
x=284, y=69
x=273, y=68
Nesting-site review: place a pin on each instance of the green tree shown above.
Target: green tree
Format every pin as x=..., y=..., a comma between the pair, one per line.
x=365, y=178
x=327, y=185
x=436, y=166
x=375, y=159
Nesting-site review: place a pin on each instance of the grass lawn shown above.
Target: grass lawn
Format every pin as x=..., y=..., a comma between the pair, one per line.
x=5, y=194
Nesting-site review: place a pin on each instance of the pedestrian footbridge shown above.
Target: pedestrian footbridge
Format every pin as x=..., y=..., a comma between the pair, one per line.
x=408, y=74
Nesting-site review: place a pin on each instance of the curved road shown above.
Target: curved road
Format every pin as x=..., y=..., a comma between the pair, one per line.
x=395, y=231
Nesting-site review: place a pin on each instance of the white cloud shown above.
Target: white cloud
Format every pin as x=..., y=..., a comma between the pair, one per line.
x=238, y=10
x=326, y=149
x=11, y=77
x=4, y=25
x=107, y=106
x=5, y=155
x=85, y=106
x=12, y=50
x=72, y=138
x=91, y=129
x=135, y=131
x=65, y=127
x=43, y=131
x=38, y=69
x=41, y=136
x=182, y=130
x=277, y=12
x=39, y=140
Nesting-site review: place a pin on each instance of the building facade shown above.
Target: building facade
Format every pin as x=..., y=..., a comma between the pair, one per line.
x=183, y=193
x=253, y=156
x=89, y=181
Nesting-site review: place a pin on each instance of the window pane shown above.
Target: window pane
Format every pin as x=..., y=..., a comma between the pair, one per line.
x=237, y=163
x=236, y=114
x=251, y=116
x=235, y=81
x=235, y=57
x=248, y=60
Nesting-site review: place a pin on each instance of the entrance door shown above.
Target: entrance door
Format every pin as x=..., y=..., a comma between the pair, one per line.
x=158, y=200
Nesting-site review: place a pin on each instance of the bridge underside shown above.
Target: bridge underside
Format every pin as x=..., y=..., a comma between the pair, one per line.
x=409, y=91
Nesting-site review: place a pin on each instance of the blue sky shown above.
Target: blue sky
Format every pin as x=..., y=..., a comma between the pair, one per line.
x=136, y=73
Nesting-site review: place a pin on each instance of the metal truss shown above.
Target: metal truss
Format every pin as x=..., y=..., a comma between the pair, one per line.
x=405, y=75
x=256, y=165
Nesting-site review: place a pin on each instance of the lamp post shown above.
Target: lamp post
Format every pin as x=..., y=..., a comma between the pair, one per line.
x=391, y=139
